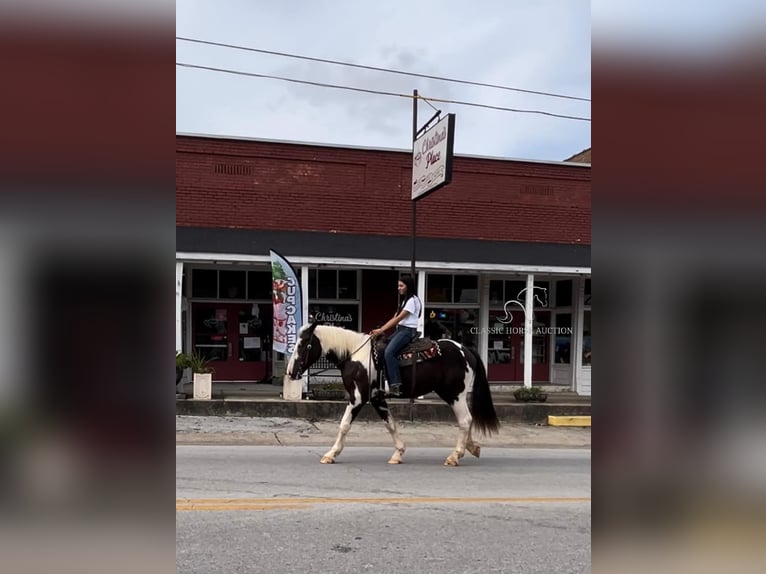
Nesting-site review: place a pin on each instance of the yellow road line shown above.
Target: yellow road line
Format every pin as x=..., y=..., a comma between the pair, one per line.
x=283, y=503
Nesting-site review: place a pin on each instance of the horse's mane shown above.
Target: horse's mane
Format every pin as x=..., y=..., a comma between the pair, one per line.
x=340, y=341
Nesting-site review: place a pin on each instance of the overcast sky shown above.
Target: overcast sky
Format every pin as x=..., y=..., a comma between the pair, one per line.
x=542, y=46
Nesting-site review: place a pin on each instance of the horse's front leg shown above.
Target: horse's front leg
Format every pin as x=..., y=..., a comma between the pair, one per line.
x=352, y=410
x=381, y=407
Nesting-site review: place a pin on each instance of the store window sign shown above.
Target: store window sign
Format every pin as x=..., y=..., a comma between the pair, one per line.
x=346, y=316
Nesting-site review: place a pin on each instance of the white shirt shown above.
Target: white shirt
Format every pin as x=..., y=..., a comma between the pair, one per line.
x=411, y=320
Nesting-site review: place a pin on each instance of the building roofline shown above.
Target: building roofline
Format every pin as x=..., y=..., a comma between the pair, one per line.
x=370, y=148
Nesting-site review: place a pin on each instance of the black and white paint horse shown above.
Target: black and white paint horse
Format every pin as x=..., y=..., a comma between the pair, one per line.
x=456, y=374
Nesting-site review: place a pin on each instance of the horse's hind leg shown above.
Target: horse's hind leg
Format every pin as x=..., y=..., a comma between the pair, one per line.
x=464, y=420
x=381, y=407
x=352, y=409
x=471, y=446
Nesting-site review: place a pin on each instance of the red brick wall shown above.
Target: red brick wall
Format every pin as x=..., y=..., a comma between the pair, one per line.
x=249, y=184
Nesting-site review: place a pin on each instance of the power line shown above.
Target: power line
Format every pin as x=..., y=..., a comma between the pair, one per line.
x=388, y=70
x=368, y=91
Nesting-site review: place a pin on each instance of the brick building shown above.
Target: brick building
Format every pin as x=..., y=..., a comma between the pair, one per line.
x=342, y=216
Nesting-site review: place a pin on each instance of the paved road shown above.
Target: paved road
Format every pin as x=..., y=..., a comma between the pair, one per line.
x=276, y=509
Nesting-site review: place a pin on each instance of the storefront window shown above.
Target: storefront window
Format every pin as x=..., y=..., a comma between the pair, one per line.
x=232, y=284
x=346, y=316
x=255, y=330
x=496, y=294
x=211, y=333
x=205, y=283
x=327, y=280
x=466, y=289
x=456, y=324
x=563, y=338
x=347, y=284
x=586, y=339
x=564, y=293
x=439, y=288
x=540, y=337
x=333, y=284
x=500, y=292
x=259, y=285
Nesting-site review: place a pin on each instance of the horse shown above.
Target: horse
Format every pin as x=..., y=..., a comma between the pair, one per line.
x=454, y=374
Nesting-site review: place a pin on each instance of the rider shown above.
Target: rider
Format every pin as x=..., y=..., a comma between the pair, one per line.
x=406, y=322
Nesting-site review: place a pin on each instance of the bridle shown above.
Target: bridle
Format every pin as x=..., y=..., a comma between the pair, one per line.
x=308, y=348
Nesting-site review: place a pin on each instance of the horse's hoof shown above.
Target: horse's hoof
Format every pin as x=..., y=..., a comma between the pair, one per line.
x=450, y=462
x=394, y=461
x=475, y=451
x=327, y=460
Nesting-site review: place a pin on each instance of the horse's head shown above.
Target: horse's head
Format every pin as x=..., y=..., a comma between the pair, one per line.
x=307, y=350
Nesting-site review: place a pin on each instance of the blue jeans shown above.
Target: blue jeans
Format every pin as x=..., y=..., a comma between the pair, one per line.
x=400, y=339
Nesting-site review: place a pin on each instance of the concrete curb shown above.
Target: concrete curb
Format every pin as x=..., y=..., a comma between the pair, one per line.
x=401, y=410
x=569, y=421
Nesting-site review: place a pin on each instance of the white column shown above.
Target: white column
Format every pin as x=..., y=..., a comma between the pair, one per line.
x=422, y=297
x=305, y=314
x=305, y=289
x=483, y=339
x=179, y=298
x=577, y=322
x=528, y=325
x=575, y=345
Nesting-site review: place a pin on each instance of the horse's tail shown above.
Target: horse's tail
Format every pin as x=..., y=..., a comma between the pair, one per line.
x=482, y=408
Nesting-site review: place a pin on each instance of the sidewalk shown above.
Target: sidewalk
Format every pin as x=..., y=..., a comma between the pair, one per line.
x=277, y=431
x=264, y=400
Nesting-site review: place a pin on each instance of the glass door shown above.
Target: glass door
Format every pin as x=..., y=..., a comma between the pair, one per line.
x=235, y=337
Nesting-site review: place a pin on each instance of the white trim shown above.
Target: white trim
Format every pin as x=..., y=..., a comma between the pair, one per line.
x=384, y=263
x=483, y=339
x=421, y=279
x=179, y=298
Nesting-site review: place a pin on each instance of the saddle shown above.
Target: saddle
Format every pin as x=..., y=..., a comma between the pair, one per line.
x=417, y=351
x=423, y=349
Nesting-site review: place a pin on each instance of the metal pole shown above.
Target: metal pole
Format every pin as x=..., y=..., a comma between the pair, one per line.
x=414, y=202
x=414, y=222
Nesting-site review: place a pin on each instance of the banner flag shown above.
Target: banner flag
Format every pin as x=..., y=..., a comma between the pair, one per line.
x=288, y=304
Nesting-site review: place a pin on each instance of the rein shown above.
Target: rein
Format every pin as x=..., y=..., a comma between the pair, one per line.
x=349, y=357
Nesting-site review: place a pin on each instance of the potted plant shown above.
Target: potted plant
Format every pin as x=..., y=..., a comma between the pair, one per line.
x=530, y=395
x=203, y=377
x=328, y=391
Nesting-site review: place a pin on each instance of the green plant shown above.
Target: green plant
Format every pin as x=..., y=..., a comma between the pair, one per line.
x=199, y=364
x=530, y=394
x=182, y=361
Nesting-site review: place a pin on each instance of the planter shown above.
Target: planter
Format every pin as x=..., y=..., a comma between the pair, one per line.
x=530, y=395
x=292, y=390
x=203, y=385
